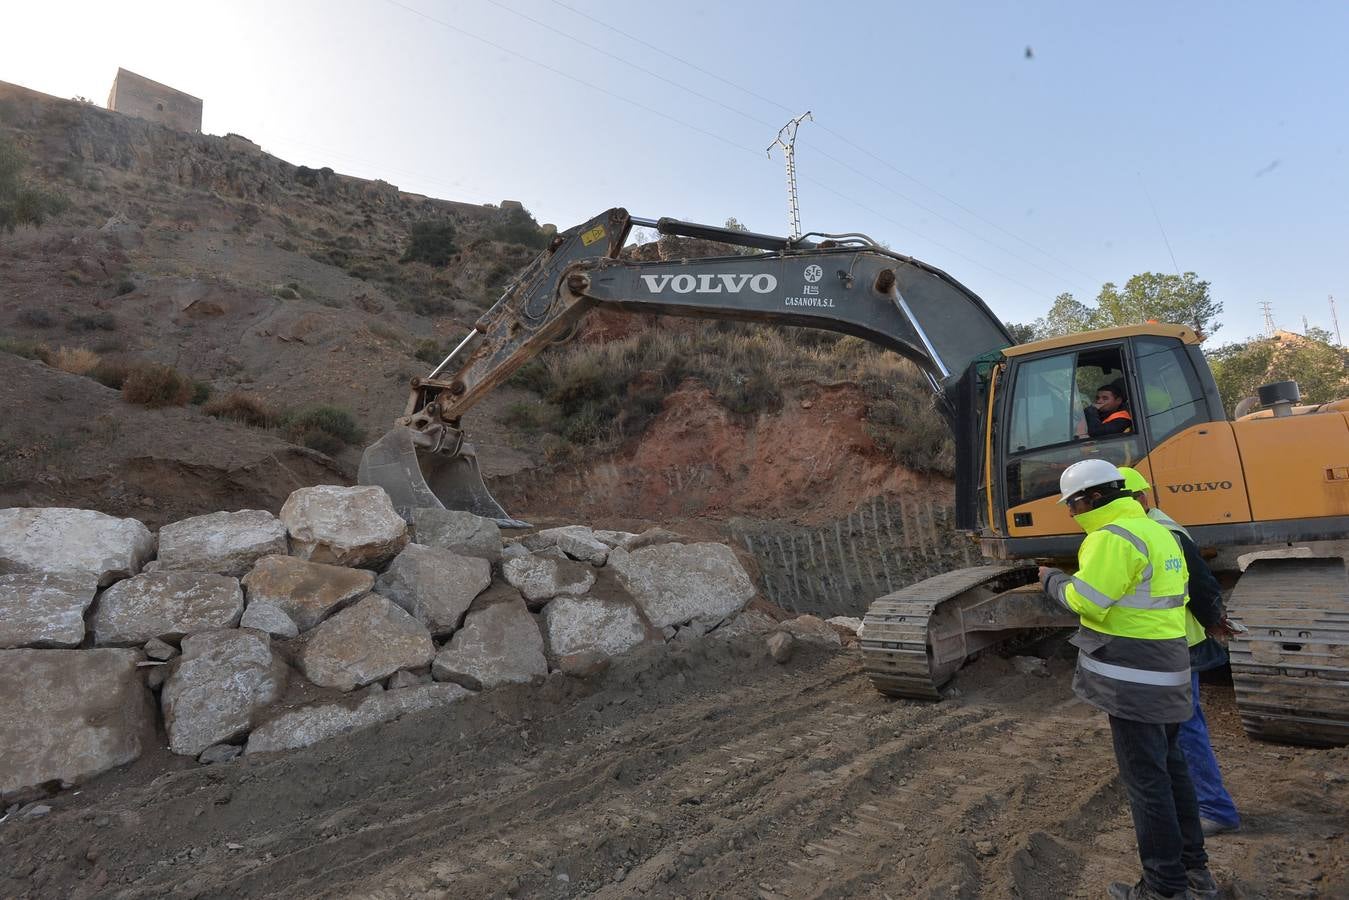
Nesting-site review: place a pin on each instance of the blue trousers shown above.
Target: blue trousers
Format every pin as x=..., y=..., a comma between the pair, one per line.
x=1214, y=801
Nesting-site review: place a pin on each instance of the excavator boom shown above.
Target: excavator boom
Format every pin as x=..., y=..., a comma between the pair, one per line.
x=842, y=283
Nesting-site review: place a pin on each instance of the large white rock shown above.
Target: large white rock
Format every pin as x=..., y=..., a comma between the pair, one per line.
x=165, y=605
x=347, y=526
x=363, y=643
x=499, y=644
x=541, y=578
x=577, y=541
x=224, y=680
x=307, y=592
x=435, y=586
x=674, y=583
x=462, y=532
x=43, y=610
x=227, y=543
x=578, y=624
x=57, y=541
x=311, y=724
x=67, y=715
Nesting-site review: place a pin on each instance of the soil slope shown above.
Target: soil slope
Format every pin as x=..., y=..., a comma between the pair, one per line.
x=705, y=772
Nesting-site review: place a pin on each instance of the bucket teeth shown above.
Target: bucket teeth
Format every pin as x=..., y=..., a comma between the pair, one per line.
x=414, y=479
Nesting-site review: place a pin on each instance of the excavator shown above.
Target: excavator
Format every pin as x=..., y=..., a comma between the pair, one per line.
x=1273, y=484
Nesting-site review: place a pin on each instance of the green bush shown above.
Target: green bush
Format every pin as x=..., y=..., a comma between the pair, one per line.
x=429, y=352
x=201, y=392
x=22, y=203
x=111, y=372
x=519, y=228
x=36, y=318
x=26, y=349
x=242, y=406
x=125, y=286
x=155, y=386
x=333, y=421
x=430, y=241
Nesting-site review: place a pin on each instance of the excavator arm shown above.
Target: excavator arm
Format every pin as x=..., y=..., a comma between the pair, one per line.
x=841, y=283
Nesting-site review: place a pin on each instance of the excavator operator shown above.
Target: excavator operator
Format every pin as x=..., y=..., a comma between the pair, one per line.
x=1107, y=416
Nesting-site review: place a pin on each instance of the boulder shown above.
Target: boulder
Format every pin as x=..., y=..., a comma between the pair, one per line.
x=435, y=586
x=578, y=542
x=850, y=623
x=311, y=724
x=652, y=537
x=585, y=664
x=67, y=715
x=812, y=630
x=43, y=610
x=541, y=578
x=749, y=622
x=346, y=526
x=363, y=643
x=223, y=681
x=307, y=592
x=673, y=583
x=514, y=550
x=780, y=646
x=74, y=542
x=269, y=619
x=576, y=624
x=165, y=605
x=160, y=650
x=219, y=753
x=500, y=644
x=407, y=678
x=462, y=532
x=227, y=543
x=612, y=539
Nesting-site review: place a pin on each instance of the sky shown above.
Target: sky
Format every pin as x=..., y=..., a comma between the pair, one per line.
x=1027, y=148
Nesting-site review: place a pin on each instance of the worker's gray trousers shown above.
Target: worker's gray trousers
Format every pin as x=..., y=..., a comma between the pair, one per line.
x=1161, y=798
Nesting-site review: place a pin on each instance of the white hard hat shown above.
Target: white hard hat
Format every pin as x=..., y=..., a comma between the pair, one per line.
x=1087, y=473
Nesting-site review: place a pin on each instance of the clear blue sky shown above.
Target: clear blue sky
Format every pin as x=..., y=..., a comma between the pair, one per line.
x=1022, y=177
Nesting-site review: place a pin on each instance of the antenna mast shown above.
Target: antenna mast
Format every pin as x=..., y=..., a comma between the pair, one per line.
x=786, y=139
x=1336, y=320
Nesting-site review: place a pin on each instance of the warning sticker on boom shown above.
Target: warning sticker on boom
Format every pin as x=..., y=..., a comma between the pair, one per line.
x=593, y=235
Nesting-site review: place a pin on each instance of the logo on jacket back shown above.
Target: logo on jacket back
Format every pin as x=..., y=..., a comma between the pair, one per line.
x=761, y=283
x=1173, y=564
x=1198, y=487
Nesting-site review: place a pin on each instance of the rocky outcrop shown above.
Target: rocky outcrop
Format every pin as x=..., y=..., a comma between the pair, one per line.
x=311, y=724
x=346, y=526
x=499, y=644
x=541, y=578
x=67, y=715
x=227, y=543
x=72, y=542
x=673, y=583
x=165, y=605
x=577, y=541
x=43, y=610
x=307, y=592
x=576, y=624
x=462, y=532
x=223, y=681
x=435, y=586
x=364, y=643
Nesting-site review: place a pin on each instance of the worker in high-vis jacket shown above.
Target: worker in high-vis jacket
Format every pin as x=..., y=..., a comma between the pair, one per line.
x=1207, y=628
x=1133, y=663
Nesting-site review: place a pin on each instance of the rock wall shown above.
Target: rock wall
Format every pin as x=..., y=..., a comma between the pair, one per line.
x=254, y=633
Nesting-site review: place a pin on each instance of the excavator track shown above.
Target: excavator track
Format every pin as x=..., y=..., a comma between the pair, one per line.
x=1291, y=668
x=916, y=638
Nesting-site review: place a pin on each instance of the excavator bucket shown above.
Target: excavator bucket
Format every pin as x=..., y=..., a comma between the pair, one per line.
x=414, y=478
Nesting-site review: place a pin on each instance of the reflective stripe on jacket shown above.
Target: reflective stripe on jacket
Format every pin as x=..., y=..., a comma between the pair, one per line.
x=1129, y=594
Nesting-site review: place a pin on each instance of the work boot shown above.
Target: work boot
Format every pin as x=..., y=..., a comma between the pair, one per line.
x=1201, y=885
x=1141, y=891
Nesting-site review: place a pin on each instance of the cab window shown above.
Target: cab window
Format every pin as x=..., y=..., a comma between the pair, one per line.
x=1172, y=396
x=1066, y=408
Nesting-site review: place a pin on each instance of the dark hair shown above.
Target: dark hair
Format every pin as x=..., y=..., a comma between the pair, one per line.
x=1116, y=388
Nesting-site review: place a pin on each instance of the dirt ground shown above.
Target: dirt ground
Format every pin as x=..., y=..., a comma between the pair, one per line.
x=700, y=771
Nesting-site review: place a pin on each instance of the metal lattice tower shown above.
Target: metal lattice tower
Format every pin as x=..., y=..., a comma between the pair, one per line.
x=788, y=146
x=1269, y=317
x=1335, y=320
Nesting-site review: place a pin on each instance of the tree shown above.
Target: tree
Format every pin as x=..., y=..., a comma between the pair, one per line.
x=1320, y=368
x=20, y=202
x=430, y=241
x=1021, y=334
x=1182, y=299
x=734, y=224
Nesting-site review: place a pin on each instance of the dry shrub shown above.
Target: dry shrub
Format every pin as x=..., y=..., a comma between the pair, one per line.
x=241, y=406
x=75, y=360
x=153, y=385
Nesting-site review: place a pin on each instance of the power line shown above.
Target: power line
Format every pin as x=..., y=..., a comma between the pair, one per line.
x=796, y=221
x=1160, y=227
x=782, y=106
